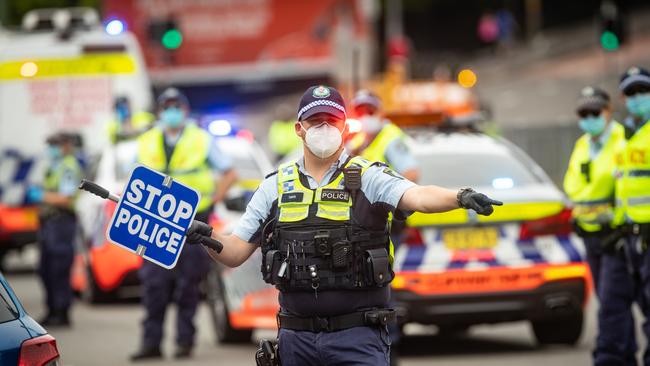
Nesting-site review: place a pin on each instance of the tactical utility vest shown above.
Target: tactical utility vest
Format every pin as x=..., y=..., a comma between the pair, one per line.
x=320, y=240
x=188, y=163
x=590, y=183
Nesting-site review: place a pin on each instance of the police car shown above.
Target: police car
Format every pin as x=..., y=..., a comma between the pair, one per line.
x=458, y=269
x=103, y=271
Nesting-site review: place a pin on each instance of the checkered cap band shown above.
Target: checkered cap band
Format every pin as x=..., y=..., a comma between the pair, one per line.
x=320, y=102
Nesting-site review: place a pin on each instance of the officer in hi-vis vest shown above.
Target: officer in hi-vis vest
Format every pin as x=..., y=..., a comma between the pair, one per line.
x=379, y=139
x=589, y=183
x=58, y=226
x=321, y=223
x=188, y=154
x=633, y=193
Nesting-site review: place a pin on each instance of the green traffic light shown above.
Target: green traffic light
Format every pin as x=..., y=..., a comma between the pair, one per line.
x=172, y=39
x=609, y=41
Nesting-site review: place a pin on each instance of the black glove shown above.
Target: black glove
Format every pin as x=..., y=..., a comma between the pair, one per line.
x=197, y=232
x=482, y=204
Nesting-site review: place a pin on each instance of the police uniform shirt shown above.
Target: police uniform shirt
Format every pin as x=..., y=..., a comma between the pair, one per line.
x=595, y=146
x=382, y=187
x=399, y=157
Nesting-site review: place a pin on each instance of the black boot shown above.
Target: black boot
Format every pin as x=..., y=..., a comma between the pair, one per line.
x=146, y=353
x=57, y=318
x=183, y=352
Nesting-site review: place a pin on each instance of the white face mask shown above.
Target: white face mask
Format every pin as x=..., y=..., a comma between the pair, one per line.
x=371, y=123
x=323, y=140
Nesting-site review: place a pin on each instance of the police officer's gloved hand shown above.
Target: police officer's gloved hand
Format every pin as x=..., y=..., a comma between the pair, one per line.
x=482, y=204
x=197, y=231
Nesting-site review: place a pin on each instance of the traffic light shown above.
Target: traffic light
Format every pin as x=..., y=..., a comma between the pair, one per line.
x=612, y=26
x=165, y=32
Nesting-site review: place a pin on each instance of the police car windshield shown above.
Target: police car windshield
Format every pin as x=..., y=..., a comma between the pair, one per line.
x=453, y=170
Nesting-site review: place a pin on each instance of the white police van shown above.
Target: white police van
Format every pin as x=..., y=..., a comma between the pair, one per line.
x=60, y=72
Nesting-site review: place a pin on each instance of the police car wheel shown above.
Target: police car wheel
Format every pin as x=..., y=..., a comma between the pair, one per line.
x=216, y=299
x=565, y=329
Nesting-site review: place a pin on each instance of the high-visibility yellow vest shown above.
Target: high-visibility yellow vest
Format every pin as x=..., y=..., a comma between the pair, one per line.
x=633, y=177
x=295, y=200
x=68, y=164
x=139, y=122
x=590, y=183
x=188, y=163
x=376, y=150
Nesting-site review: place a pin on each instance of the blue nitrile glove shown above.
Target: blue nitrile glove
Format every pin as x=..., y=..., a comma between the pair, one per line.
x=35, y=194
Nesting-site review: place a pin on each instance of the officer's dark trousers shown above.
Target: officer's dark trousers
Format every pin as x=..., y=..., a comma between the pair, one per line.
x=357, y=346
x=639, y=266
x=56, y=238
x=181, y=285
x=616, y=341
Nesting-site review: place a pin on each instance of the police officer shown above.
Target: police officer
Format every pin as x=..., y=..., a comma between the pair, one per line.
x=589, y=183
x=189, y=155
x=58, y=225
x=321, y=222
x=127, y=124
x=633, y=189
x=379, y=139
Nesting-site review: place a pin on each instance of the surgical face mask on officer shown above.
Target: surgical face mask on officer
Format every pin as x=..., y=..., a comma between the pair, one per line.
x=371, y=123
x=54, y=152
x=172, y=117
x=639, y=104
x=593, y=125
x=322, y=140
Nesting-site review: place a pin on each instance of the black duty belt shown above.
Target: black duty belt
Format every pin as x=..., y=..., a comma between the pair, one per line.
x=338, y=322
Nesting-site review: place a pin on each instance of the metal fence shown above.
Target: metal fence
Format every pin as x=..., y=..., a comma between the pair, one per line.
x=549, y=146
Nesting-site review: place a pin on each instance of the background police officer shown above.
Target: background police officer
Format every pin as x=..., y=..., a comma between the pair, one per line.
x=126, y=123
x=379, y=139
x=189, y=155
x=589, y=183
x=58, y=225
x=329, y=251
x=633, y=186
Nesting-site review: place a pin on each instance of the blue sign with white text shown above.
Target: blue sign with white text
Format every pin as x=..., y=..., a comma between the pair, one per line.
x=152, y=216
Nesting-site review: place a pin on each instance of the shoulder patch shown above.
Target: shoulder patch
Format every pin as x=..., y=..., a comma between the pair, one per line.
x=392, y=173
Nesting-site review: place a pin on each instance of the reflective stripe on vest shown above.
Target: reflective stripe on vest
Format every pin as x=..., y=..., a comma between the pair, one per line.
x=376, y=151
x=592, y=192
x=294, y=199
x=188, y=163
x=633, y=183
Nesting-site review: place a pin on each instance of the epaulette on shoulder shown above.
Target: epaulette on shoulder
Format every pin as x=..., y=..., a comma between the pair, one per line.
x=271, y=174
x=379, y=163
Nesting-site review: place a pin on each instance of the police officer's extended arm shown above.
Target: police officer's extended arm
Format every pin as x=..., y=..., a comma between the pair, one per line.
x=433, y=199
x=235, y=250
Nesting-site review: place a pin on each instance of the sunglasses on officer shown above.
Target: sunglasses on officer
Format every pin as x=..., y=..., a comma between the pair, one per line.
x=636, y=89
x=586, y=113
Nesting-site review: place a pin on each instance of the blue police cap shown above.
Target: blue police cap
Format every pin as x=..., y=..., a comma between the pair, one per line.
x=634, y=76
x=172, y=94
x=592, y=98
x=321, y=99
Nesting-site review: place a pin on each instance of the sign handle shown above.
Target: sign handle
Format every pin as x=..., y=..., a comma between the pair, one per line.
x=98, y=190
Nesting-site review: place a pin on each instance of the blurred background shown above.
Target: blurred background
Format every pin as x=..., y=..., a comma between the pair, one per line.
x=243, y=65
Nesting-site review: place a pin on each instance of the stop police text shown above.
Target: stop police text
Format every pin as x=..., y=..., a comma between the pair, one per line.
x=167, y=207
